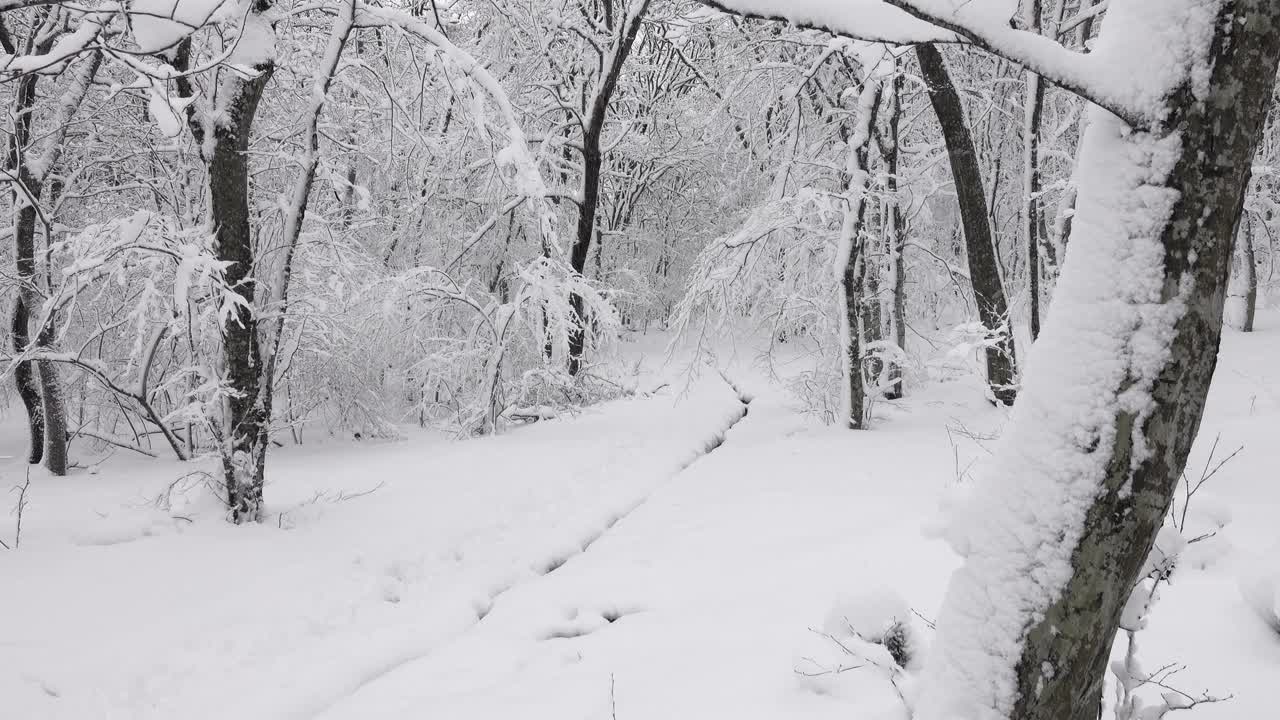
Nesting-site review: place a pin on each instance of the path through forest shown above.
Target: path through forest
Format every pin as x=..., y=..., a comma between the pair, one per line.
x=660, y=557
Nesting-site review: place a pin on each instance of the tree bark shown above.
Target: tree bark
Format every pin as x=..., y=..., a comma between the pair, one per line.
x=592, y=161
x=24, y=378
x=1031, y=214
x=56, y=437
x=1249, y=273
x=872, y=311
x=47, y=418
x=247, y=410
x=895, y=237
x=984, y=272
x=1159, y=226
x=850, y=265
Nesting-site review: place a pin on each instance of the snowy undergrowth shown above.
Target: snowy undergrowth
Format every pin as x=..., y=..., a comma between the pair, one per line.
x=375, y=555
x=629, y=581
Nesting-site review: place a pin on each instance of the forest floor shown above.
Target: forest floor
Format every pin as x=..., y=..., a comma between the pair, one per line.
x=669, y=556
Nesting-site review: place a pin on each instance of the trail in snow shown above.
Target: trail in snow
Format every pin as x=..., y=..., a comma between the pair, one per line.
x=698, y=604
x=464, y=589
x=549, y=565
x=158, y=626
x=701, y=604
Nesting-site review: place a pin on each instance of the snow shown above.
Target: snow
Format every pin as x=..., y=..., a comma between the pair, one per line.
x=1109, y=334
x=161, y=109
x=1051, y=464
x=1130, y=72
x=256, y=44
x=864, y=19
x=160, y=24
x=426, y=578
x=183, y=606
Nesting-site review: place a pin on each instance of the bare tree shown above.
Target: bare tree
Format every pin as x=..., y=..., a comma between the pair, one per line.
x=850, y=261
x=623, y=21
x=984, y=271
x=1084, y=480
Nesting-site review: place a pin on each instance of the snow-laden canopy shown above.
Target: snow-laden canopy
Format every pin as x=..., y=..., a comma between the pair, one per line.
x=1138, y=98
x=863, y=19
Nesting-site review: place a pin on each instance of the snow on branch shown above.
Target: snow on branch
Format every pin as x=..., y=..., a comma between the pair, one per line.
x=67, y=48
x=528, y=180
x=1130, y=76
x=987, y=25
x=872, y=20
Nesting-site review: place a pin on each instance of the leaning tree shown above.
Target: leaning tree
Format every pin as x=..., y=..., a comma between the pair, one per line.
x=1115, y=387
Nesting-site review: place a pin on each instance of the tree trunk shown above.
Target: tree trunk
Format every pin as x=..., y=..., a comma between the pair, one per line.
x=248, y=409
x=56, y=438
x=850, y=261
x=895, y=237
x=1031, y=214
x=1084, y=479
x=1248, y=273
x=988, y=291
x=36, y=380
x=592, y=160
x=24, y=378
x=872, y=312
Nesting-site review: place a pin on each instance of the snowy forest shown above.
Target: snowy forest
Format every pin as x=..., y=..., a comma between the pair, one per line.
x=640, y=359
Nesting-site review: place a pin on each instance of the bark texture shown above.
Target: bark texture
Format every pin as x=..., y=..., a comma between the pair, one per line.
x=628, y=26
x=895, y=235
x=1219, y=136
x=38, y=382
x=984, y=272
x=247, y=412
x=1248, y=274
x=24, y=378
x=1031, y=212
x=852, y=271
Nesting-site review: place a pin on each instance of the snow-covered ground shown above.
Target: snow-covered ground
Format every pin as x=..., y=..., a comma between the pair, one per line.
x=671, y=556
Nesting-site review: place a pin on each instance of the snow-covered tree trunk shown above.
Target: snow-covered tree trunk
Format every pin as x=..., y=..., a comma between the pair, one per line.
x=850, y=257
x=38, y=382
x=1117, y=383
x=984, y=271
x=245, y=441
x=56, y=453
x=1248, y=274
x=224, y=140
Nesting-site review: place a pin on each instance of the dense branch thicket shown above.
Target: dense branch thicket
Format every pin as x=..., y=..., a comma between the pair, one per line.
x=236, y=223
x=255, y=218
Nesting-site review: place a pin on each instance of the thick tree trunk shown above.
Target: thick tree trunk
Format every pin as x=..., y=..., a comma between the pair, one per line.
x=24, y=378
x=1084, y=485
x=592, y=161
x=849, y=263
x=47, y=419
x=41, y=373
x=984, y=272
x=246, y=416
x=56, y=438
x=248, y=409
